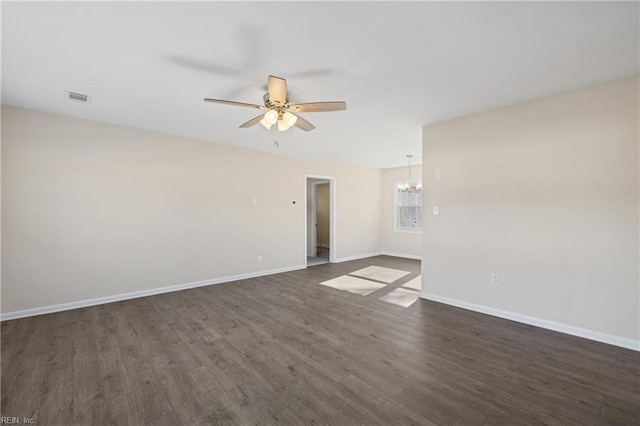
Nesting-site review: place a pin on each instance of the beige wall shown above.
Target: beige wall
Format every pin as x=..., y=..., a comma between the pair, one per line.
x=93, y=210
x=545, y=194
x=397, y=243
x=323, y=213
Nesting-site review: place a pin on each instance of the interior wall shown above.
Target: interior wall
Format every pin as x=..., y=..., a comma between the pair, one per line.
x=94, y=210
x=323, y=214
x=407, y=244
x=545, y=194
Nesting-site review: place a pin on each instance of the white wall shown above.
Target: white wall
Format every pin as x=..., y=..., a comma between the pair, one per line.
x=93, y=210
x=545, y=194
x=397, y=243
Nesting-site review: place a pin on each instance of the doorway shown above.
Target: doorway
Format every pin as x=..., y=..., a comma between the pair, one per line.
x=320, y=220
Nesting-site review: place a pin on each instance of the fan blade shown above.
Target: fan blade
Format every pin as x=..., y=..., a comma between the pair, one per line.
x=234, y=103
x=277, y=90
x=321, y=73
x=252, y=122
x=319, y=107
x=203, y=65
x=303, y=124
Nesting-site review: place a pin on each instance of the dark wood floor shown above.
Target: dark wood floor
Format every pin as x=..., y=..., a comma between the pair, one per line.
x=284, y=349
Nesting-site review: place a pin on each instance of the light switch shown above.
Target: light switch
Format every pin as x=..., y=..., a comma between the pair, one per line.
x=437, y=174
x=436, y=210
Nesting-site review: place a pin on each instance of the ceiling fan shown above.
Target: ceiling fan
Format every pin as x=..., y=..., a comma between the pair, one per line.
x=279, y=111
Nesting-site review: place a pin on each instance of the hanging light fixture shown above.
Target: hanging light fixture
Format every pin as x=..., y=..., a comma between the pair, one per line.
x=410, y=185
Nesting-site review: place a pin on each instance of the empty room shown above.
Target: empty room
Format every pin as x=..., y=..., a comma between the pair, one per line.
x=336, y=213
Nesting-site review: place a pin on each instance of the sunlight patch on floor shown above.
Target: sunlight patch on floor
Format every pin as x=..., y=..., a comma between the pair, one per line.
x=353, y=285
x=415, y=283
x=378, y=273
x=401, y=297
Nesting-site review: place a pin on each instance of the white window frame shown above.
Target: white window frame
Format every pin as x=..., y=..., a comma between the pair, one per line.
x=396, y=207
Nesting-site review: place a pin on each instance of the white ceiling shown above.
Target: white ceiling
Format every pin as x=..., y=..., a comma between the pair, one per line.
x=399, y=66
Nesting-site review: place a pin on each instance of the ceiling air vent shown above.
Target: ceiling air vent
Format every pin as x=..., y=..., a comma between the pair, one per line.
x=78, y=97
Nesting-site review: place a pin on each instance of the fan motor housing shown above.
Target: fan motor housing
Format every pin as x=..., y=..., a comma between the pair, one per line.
x=271, y=104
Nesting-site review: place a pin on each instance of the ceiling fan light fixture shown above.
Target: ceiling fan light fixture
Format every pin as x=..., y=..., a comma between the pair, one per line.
x=290, y=118
x=277, y=106
x=283, y=125
x=286, y=120
x=265, y=123
x=271, y=116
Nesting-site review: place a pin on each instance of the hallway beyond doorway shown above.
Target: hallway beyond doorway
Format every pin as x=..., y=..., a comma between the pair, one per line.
x=322, y=256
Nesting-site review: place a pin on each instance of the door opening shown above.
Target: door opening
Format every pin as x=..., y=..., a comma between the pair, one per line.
x=320, y=220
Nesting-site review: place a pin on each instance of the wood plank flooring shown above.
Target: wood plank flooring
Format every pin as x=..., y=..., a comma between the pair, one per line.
x=284, y=349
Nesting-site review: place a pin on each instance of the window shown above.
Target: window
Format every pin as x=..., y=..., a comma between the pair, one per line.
x=408, y=207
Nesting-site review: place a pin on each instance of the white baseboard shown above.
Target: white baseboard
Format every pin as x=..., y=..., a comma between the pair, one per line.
x=538, y=322
x=356, y=257
x=143, y=293
x=406, y=256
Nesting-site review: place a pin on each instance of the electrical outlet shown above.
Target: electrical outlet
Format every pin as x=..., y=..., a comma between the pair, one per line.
x=259, y=259
x=495, y=279
x=436, y=210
